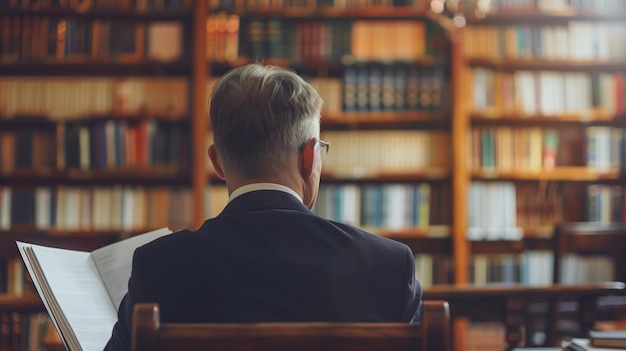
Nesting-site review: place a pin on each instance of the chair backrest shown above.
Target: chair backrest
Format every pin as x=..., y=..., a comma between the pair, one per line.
x=608, y=239
x=432, y=334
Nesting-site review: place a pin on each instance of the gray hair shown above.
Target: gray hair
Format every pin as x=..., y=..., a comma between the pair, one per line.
x=260, y=116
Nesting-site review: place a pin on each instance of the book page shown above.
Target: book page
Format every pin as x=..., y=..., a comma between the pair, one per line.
x=114, y=263
x=43, y=290
x=76, y=298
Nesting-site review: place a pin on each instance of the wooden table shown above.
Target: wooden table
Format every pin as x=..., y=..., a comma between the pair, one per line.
x=508, y=304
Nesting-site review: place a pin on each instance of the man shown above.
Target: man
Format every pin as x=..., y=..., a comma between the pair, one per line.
x=267, y=256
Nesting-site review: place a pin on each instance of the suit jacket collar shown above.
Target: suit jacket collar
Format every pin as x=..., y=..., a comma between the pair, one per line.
x=263, y=200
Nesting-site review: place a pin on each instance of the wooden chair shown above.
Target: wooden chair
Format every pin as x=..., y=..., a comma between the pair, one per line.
x=585, y=239
x=607, y=239
x=432, y=334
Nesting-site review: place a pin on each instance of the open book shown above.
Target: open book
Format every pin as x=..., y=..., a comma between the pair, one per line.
x=83, y=290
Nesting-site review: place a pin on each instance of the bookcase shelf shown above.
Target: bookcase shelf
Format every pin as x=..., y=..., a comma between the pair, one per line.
x=59, y=86
x=533, y=16
x=44, y=122
x=431, y=232
x=543, y=64
x=503, y=247
x=507, y=119
x=442, y=245
x=77, y=240
x=103, y=14
x=307, y=65
x=519, y=65
x=21, y=304
x=152, y=176
x=431, y=174
x=409, y=13
x=386, y=120
x=95, y=68
x=428, y=245
x=564, y=173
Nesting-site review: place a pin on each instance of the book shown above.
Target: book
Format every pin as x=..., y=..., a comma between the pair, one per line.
x=608, y=338
x=584, y=344
x=83, y=290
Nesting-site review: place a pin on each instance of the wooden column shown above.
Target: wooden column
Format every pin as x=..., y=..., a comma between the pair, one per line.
x=199, y=118
x=460, y=183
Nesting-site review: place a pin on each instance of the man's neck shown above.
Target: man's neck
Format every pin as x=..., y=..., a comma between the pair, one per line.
x=262, y=186
x=233, y=183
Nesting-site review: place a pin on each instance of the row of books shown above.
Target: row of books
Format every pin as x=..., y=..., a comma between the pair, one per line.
x=375, y=88
x=101, y=145
x=535, y=268
x=361, y=40
x=222, y=37
x=52, y=39
x=514, y=149
x=375, y=153
x=24, y=331
x=332, y=89
x=576, y=41
x=581, y=6
x=396, y=87
x=70, y=98
x=539, y=208
x=499, y=210
x=532, y=268
x=20, y=331
x=376, y=207
x=492, y=211
x=605, y=203
x=366, y=87
x=95, y=208
x=12, y=277
x=605, y=148
x=499, y=268
x=392, y=206
x=119, y=144
x=33, y=149
x=548, y=93
x=433, y=269
x=309, y=4
x=578, y=269
x=97, y=5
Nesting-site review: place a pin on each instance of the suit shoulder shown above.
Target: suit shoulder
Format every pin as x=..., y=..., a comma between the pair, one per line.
x=371, y=238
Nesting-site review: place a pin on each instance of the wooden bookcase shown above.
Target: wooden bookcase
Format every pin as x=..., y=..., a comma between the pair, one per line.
x=542, y=72
x=534, y=72
x=129, y=84
x=351, y=54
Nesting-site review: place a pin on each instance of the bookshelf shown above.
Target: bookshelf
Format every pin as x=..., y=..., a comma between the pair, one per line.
x=336, y=46
x=544, y=106
x=384, y=73
x=541, y=94
x=98, y=101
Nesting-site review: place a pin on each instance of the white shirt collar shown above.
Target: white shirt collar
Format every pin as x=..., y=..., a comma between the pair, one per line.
x=262, y=186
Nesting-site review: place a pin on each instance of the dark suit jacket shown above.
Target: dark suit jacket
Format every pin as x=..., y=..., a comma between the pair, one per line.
x=267, y=257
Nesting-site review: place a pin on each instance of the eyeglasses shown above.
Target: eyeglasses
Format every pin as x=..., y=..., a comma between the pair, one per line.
x=325, y=146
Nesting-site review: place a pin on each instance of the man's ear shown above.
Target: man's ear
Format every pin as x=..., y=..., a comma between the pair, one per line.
x=217, y=163
x=307, y=158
